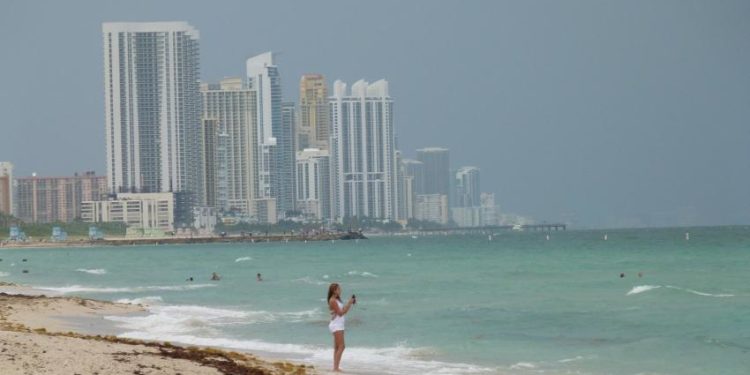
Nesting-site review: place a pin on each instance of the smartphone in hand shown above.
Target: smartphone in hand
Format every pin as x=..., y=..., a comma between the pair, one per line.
x=354, y=299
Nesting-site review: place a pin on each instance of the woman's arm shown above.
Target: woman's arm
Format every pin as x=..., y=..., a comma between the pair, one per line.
x=335, y=307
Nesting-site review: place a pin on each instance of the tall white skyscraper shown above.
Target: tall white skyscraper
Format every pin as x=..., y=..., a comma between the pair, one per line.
x=152, y=108
x=467, y=187
x=274, y=154
x=233, y=106
x=363, y=165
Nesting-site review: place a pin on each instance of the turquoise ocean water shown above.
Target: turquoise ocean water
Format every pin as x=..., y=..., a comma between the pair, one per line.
x=519, y=304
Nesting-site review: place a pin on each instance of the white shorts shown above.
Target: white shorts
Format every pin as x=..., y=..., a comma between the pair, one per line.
x=336, y=325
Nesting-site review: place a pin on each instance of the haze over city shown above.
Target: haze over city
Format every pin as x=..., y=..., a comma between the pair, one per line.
x=599, y=114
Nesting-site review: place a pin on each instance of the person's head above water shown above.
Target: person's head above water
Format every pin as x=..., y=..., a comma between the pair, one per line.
x=334, y=290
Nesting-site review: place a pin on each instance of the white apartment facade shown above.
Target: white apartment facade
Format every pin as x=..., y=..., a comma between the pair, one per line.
x=362, y=146
x=313, y=183
x=233, y=106
x=144, y=211
x=152, y=107
x=274, y=151
x=432, y=207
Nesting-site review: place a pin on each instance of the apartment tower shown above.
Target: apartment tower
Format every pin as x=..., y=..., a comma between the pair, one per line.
x=230, y=128
x=274, y=151
x=363, y=165
x=152, y=108
x=313, y=130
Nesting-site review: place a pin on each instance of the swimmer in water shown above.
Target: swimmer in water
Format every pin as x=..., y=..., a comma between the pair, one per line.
x=260, y=278
x=215, y=277
x=622, y=274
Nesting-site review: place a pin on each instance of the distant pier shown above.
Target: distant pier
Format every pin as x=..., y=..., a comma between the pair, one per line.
x=492, y=229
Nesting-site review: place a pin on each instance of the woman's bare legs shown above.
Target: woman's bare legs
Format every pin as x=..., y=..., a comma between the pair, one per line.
x=338, y=349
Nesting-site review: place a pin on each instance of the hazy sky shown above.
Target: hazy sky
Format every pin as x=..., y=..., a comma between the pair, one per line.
x=600, y=113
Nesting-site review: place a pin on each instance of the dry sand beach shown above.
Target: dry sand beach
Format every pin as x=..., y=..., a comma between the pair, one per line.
x=42, y=335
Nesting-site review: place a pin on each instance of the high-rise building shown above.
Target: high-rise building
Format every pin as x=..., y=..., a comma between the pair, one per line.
x=482, y=214
x=415, y=169
x=413, y=181
x=436, y=170
x=313, y=183
x=53, y=199
x=432, y=207
x=287, y=156
x=363, y=165
x=400, y=187
x=488, y=208
x=274, y=151
x=6, y=188
x=314, y=124
x=231, y=144
x=152, y=108
x=467, y=187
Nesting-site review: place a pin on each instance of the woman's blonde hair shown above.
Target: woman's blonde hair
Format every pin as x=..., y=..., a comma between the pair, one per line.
x=332, y=291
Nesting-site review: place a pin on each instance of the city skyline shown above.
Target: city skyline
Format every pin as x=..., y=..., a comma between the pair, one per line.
x=620, y=138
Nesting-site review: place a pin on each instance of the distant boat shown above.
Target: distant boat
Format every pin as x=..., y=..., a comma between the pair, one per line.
x=517, y=227
x=414, y=237
x=605, y=236
x=687, y=236
x=548, y=237
x=489, y=238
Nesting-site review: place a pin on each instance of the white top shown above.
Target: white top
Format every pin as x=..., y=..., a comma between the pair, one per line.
x=337, y=321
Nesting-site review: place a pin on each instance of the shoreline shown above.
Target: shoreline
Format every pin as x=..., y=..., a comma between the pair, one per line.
x=40, y=334
x=173, y=240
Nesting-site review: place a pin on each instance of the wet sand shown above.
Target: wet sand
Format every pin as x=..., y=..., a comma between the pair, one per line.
x=41, y=334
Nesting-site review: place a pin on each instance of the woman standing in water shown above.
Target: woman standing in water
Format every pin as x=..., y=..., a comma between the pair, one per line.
x=336, y=326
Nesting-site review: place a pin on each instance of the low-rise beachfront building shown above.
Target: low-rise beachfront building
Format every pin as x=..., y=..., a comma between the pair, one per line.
x=56, y=199
x=145, y=212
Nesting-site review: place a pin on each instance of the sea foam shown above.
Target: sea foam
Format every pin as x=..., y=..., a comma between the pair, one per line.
x=363, y=274
x=95, y=271
x=243, y=259
x=645, y=288
x=93, y=289
x=141, y=301
x=310, y=280
x=389, y=360
x=642, y=288
x=192, y=320
x=200, y=325
x=704, y=294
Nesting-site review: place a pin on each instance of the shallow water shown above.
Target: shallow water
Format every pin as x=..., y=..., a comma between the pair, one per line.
x=519, y=304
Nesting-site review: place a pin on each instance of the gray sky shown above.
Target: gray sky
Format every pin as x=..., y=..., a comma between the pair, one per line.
x=602, y=113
